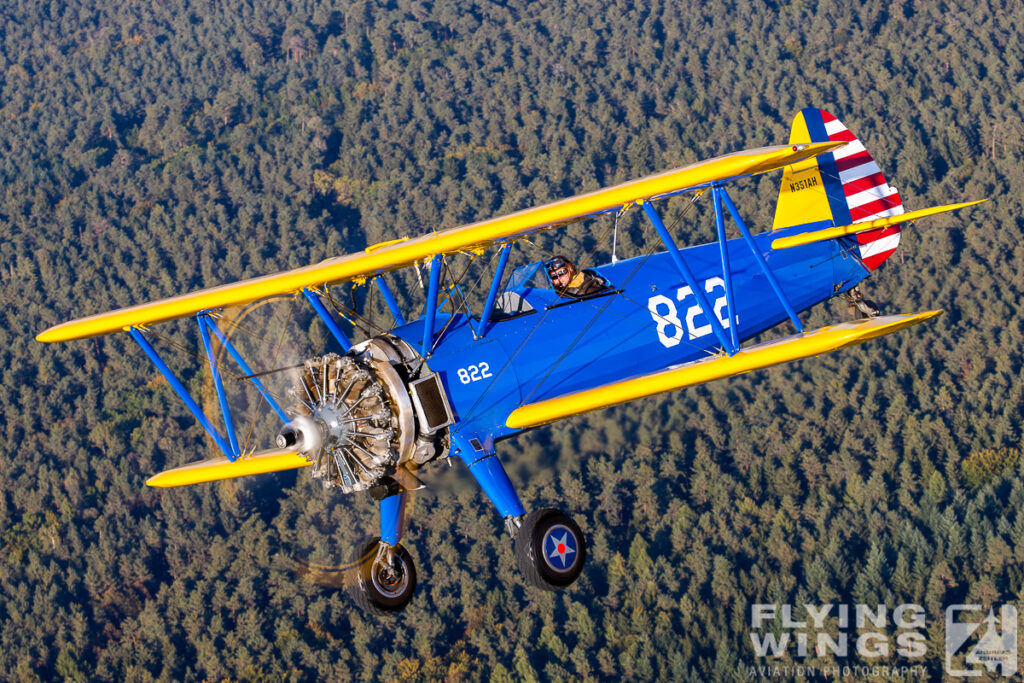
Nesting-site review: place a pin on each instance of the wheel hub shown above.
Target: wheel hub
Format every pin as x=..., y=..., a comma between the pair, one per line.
x=390, y=581
x=560, y=548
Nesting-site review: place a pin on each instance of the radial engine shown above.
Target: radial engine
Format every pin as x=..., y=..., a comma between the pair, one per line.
x=359, y=417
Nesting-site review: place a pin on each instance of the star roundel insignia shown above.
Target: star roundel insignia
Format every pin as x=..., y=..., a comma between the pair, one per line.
x=560, y=548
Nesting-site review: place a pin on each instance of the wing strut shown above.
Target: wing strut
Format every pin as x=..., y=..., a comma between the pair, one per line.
x=248, y=371
x=332, y=325
x=723, y=250
x=389, y=299
x=230, y=447
x=759, y=257
x=485, y=315
x=182, y=393
x=431, y=309
x=687, y=274
x=229, y=425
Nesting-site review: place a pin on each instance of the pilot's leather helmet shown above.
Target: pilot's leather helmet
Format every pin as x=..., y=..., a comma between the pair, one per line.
x=556, y=264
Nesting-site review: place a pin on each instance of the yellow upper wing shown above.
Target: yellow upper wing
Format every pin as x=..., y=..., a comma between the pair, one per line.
x=402, y=253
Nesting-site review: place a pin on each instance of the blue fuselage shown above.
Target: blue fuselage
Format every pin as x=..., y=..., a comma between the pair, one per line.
x=648, y=321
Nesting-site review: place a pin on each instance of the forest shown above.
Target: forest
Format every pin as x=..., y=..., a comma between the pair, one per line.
x=149, y=149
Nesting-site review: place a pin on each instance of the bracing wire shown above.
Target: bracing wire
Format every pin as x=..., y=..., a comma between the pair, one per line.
x=361, y=322
x=225, y=371
x=649, y=250
x=250, y=437
x=636, y=269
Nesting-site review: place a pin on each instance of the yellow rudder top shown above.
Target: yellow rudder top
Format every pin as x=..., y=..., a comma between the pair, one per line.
x=802, y=196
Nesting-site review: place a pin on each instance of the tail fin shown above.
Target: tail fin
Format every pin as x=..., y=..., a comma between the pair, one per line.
x=841, y=187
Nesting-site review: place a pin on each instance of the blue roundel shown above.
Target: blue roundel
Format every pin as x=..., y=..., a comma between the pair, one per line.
x=561, y=549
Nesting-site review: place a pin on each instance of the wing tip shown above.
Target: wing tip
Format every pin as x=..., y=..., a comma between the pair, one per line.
x=928, y=315
x=52, y=335
x=62, y=332
x=220, y=468
x=159, y=481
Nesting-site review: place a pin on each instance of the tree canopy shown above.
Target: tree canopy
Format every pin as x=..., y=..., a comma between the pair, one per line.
x=148, y=149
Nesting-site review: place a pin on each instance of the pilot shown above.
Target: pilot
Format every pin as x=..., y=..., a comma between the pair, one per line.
x=573, y=283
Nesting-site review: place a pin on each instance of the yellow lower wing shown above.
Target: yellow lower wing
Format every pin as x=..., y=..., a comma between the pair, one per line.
x=754, y=357
x=219, y=468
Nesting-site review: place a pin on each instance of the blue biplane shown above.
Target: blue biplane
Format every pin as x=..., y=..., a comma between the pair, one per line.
x=455, y=382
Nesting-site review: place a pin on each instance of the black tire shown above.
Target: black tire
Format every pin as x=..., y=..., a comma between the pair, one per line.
x=373, y=589
x=559, y=564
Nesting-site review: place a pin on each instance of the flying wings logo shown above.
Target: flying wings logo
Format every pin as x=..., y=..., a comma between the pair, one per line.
x=889, y=643
x=989, y=641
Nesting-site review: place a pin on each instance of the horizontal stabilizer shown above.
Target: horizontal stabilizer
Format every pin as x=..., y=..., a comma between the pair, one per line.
x=839, y=231
x=762, y=355
x=219, y=468
x=405, y=252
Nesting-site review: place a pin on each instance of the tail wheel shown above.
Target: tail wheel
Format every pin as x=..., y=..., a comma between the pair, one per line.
x=859, y=306
x=385, y=577
x=550, y=549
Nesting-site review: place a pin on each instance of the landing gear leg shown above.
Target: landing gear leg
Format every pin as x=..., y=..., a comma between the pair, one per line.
x=550, y=548
x=385, y=573
x=488, y=472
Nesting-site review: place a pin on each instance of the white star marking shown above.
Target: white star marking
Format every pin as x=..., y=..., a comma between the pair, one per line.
x=561, y=548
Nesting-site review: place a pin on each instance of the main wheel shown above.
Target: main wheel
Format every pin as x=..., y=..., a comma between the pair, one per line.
x=550, y=549
x=381, y=588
